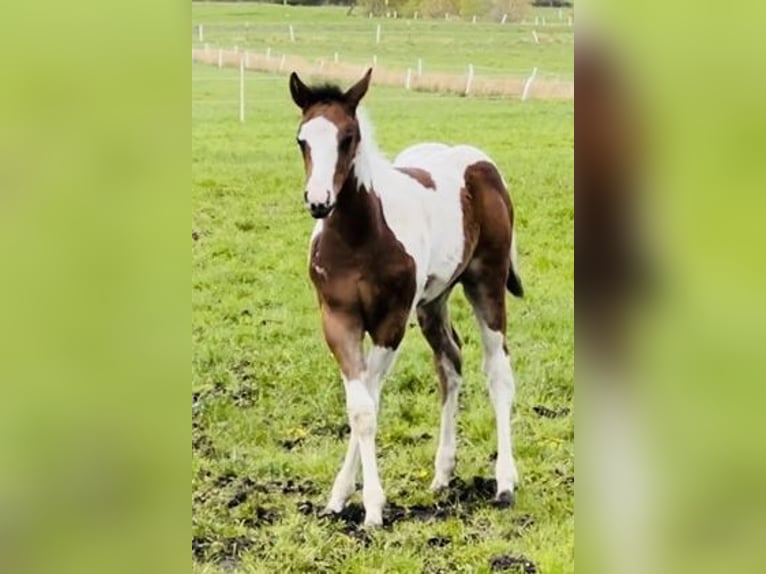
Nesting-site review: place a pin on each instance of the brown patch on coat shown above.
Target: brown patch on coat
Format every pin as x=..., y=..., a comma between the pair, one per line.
x=365, y=280
x=420, y=175
x=433, y=318
x=487, y=221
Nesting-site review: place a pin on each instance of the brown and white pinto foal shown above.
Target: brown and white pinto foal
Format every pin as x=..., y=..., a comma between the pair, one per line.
x=396, y=238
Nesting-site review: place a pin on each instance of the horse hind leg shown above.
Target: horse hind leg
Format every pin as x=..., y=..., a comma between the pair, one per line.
x=488, y=301
x=438, y=331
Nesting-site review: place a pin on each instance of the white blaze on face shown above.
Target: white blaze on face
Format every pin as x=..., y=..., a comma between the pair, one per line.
x=321, y=137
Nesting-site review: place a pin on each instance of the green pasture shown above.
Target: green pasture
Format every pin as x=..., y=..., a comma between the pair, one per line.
x=442, y=46
x=268, y=409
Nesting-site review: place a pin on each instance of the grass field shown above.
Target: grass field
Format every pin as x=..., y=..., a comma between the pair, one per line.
x=268, y=412
x=442, y=46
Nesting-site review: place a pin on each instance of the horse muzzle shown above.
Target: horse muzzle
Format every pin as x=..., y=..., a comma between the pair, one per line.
x=319, y=210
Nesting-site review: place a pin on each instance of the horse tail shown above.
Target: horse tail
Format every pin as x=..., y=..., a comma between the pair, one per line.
x=514, y=278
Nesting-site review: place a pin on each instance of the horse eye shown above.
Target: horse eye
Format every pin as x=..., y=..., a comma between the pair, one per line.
x=345, y=143
x=300, y=142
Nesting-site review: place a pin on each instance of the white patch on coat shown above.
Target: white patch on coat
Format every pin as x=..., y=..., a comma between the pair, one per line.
x=427, y=222
x=321, y=136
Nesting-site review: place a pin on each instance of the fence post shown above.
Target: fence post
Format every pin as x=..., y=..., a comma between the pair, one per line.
x=408, y=79
x=377, y=34
x=200, y=33
x=335, y=57
x=420, y=67
x=528, y=85
x=282, y=63
x=242, y=90
x=505, y=17
x=473, y=21
x=292, y=33
x=534, y=35
x=469, y=79
x=268, y=53
x=374, y=60
x=220, y=57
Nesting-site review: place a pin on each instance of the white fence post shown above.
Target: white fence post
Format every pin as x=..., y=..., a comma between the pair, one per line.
x=200, y=33
x=242, y=90
x=292, y=33
x=415, y=17
x=420, y=67
x=282, y=63
x=335, y=57
x=473, y=20
x=528, y=85
x=374, y=60
x=570, y=21
x=505, y=18
x=268, y=53
x=469, y=79
x=377, y=34
x=408, y=79
x=534, y=35
x=220, y=57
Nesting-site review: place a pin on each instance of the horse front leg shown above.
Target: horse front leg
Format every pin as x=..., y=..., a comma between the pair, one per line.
x=343, y=333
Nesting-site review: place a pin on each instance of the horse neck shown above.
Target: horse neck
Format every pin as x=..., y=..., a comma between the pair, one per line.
x=357, y=214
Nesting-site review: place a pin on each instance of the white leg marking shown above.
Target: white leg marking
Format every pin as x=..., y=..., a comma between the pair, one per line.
x=345, y=481
x=363, y=421
x=497, y=368
x=444, y=463
x=379, y=362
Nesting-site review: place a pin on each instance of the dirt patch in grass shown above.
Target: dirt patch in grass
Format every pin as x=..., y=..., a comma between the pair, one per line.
x=550, y=413
x=460, y=500
x=508, y=563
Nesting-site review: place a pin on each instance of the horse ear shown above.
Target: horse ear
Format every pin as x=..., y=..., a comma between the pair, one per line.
x=300, y=92
x=356, y=92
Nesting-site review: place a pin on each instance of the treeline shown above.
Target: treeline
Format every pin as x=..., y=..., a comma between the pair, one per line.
x=514, y=9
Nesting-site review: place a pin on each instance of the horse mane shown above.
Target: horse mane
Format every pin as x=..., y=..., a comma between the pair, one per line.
x=371, y=164
x=327, y=93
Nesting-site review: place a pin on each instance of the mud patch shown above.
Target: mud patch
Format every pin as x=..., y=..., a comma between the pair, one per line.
x=460, y=500
x=290, y=444
x=225, y=552
x=415, y=439
x=507, y=563
x=439, y=541
x=262, y=517
x=550, y=413
x=339, y=431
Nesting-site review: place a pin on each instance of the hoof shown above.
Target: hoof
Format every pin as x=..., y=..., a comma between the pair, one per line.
x=505, y=499
x=373, y=521
x=328, y=512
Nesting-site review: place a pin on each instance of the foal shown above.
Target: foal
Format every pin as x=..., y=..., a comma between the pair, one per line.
x=395, y=238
